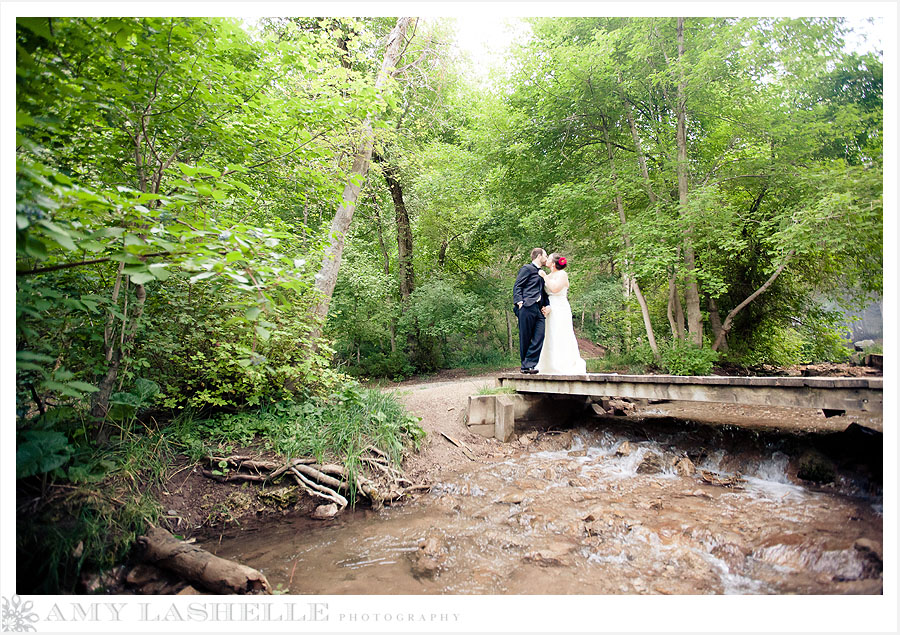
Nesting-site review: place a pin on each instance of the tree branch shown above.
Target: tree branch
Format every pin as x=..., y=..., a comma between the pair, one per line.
x=726, y=326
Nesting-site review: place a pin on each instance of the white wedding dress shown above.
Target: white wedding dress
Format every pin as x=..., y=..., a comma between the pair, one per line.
x=559, y=355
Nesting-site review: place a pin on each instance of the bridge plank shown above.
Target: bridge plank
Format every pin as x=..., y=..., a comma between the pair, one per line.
x=836, y=393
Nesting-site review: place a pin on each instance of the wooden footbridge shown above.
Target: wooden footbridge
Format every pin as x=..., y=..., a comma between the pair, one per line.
x=827, y=393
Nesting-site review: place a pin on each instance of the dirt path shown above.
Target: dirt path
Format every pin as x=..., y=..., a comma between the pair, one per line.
x=442, y=404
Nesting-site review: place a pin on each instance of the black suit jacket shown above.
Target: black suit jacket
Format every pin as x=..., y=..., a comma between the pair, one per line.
x=529, y=288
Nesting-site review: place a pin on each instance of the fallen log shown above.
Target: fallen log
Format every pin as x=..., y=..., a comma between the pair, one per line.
x=197, y=566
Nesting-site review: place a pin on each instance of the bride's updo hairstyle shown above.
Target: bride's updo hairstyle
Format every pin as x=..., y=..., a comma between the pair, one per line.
x=559, y=261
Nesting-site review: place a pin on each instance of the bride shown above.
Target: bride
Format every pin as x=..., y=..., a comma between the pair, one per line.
x=559, y=355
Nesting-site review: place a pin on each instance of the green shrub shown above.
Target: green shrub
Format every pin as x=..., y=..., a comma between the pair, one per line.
x=339, y=425
x=684, y=358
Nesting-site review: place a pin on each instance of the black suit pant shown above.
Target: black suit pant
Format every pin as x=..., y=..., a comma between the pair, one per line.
x=531, y=334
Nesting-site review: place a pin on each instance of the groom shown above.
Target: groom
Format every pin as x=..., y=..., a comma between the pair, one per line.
x=531, y=307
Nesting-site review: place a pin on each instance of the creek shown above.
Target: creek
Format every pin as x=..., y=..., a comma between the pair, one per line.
x=613, y=506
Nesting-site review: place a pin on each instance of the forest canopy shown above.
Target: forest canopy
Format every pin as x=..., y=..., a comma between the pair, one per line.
x=214, y=216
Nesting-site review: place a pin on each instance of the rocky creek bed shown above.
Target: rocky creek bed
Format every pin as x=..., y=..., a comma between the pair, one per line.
x=631, y=505
x=674, y=498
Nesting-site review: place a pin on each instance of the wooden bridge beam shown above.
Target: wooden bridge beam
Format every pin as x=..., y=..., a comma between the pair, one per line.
x=831, y=393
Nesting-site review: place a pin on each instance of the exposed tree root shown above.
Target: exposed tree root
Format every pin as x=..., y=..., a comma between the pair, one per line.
x=376, y=479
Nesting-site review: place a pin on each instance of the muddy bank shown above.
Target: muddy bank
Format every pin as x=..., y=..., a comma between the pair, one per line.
x=578, y=504
x=612, y=506
x=671, y=499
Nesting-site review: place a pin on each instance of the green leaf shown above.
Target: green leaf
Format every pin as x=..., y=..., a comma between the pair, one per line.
x=142, y=278
x=41, y=451
x=123, y=38
x=33, y=357
x=252, y=313
x=35, y=248
x=82, y=386
x=128, y=259
x=237, y=277
x=38, y=26
x=28, y=366
x=91, y=245
x=60, y=388
x=159, y=271
x=201, y=276
x=233, y=256
x=263, y=333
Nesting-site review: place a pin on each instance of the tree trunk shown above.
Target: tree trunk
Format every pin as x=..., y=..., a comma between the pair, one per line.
x=726, y=326
x=691, y=291
x=674, y=311
x=384, y=252
x=115, y=349
x=326, y=278
x=642, y=161
x=404, y=232
x=509, y=332
x=200, y=567
x=627, y=275
x=442, y=254
x=715, y=321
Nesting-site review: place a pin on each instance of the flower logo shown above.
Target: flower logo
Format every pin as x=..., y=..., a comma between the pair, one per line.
x=18, y=616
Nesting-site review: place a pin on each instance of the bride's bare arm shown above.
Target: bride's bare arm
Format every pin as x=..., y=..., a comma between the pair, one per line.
x=557, y=282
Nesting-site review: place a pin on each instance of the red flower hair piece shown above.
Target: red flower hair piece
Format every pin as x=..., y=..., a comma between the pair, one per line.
x=562, y=261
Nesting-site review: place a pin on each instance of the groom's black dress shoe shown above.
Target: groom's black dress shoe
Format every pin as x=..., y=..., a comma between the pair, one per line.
x=530, y=371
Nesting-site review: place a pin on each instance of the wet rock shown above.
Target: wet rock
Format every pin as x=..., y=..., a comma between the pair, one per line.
x=555, y=441
x=432, y=546
x=869, y=548
x=733, y=556
x=733, y=481
x=529, y=483
x=525, y=440
x=625, y=449
x=577, y=453
x=870, y=553
x=142, y=574
x=161, y=587
x=579, y=482
x=620, y=407
x=596, y=513
x=447, y=503
x=652, y=463
x=429, y=558
x=554, y=555
x=816, y=467
x=92, y=582
x=189, y=590
x=573, y=466
x=511, y=497
x=685, y=467
x=324, y=512
x=595, y=527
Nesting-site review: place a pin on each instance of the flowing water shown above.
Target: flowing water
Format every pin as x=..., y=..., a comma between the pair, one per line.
x=611, y=508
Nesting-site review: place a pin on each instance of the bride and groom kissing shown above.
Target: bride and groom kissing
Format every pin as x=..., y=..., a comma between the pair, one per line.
x=547, y=341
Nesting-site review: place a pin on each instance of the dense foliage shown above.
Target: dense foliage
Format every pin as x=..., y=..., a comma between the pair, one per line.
x=715, y=182
x=173, y=177
x=738, y=249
